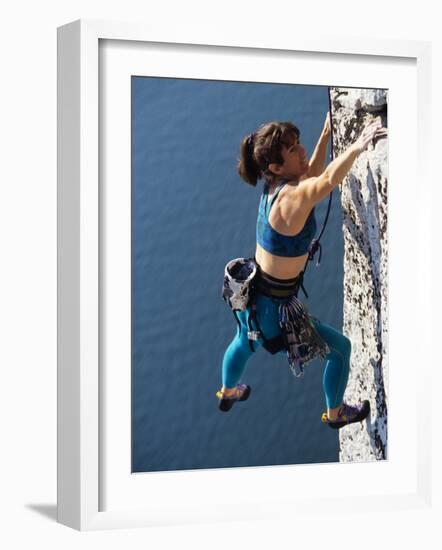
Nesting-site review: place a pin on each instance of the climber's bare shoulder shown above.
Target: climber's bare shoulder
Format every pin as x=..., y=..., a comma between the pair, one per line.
x=312, y=189
x=291, y=209
x=302, y=193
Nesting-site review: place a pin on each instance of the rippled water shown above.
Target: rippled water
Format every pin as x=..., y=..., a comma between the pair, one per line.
x=191, y=214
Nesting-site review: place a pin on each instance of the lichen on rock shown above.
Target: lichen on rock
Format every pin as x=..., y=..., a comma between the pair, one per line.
x=364, y=207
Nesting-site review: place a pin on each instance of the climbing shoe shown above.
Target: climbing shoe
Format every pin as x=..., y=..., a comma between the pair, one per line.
x=241, y=393
x=348, y=414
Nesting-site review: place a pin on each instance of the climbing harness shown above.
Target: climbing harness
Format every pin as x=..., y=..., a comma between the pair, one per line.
x=243, y=279
x=298, y=336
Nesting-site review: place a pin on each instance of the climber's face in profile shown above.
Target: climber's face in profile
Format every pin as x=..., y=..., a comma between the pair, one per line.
x=295, y=163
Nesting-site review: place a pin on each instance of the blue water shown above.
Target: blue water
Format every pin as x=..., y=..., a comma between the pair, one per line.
x=191, y=214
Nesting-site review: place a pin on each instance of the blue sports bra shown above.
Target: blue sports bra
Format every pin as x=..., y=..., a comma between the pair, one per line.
x=276, y=243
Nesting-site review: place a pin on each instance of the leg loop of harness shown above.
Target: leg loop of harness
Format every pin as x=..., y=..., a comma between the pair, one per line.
x=272, y=345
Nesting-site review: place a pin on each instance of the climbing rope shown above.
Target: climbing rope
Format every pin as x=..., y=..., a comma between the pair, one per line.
x=315, y=245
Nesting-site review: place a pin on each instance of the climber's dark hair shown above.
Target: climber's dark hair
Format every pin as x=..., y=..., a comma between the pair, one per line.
x=262, y=148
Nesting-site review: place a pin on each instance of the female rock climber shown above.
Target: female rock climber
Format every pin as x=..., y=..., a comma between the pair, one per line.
x=286, y=225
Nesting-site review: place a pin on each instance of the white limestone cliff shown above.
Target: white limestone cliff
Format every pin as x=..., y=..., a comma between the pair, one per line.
x=364, y=206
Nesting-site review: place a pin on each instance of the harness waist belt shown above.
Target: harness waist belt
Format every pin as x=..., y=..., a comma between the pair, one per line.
x=277, y=288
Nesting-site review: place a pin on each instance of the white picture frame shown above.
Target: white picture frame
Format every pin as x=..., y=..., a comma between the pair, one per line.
x=80, y=316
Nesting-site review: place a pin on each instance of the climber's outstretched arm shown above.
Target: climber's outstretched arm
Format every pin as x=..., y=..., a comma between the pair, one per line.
x=317, y=161
x=317, y=188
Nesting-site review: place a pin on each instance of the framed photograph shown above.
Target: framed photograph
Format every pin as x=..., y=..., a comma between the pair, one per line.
x=153, y=204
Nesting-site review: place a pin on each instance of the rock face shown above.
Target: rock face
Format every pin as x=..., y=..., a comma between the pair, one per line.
x=364, y=206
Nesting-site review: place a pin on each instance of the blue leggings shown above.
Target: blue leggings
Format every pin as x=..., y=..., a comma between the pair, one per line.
x=337, y=363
